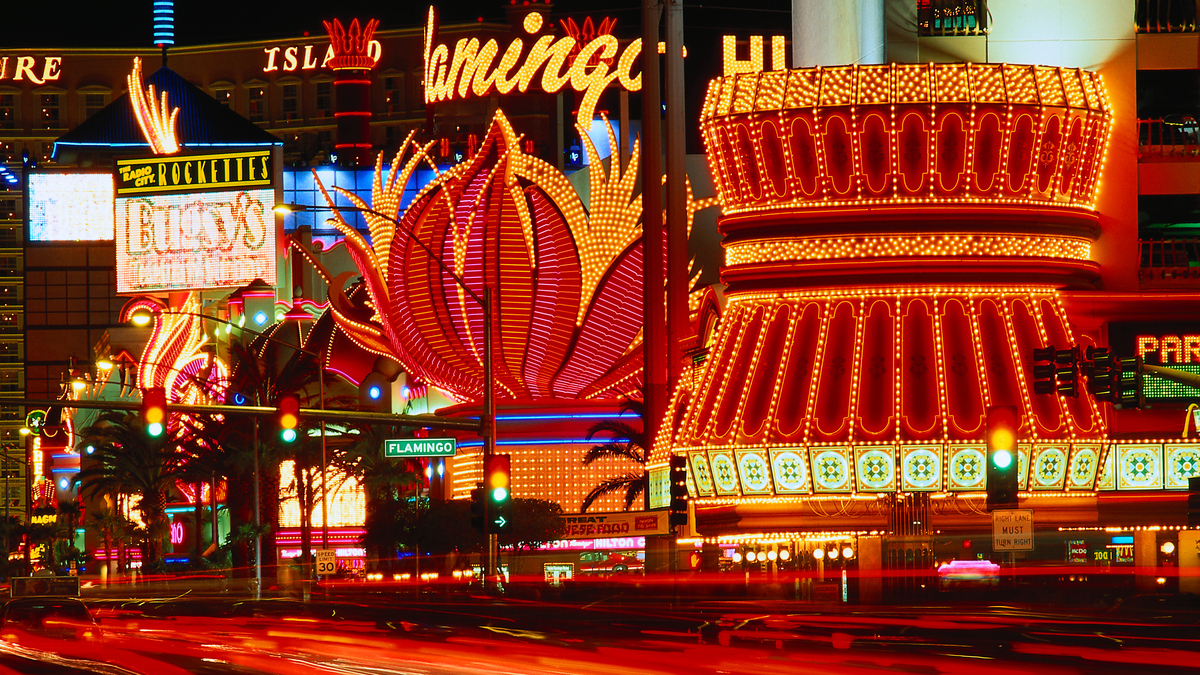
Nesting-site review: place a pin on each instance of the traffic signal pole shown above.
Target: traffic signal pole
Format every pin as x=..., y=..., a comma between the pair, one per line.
x=489, y=421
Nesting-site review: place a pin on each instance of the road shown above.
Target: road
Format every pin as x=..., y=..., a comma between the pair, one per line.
x=469, y=635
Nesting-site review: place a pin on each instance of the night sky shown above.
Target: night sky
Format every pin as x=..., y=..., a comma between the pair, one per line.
x=104, y=24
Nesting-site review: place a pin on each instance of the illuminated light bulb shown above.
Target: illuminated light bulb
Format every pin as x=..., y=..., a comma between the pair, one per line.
x=737, y=557
x=784, y=554
x=833, y=553
x=772, y=555
x=818, y=553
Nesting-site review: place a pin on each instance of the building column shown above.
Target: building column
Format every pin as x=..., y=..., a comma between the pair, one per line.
x=1145, y=559
x=870, y=570
x=837, y=32
x=1189, y=561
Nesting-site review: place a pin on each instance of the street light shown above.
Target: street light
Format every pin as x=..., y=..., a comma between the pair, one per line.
x=488, y=428
x=142, y=316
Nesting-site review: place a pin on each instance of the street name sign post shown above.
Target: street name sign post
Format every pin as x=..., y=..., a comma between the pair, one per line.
x=326, y=561
x=1012, y=530
x=419, y=447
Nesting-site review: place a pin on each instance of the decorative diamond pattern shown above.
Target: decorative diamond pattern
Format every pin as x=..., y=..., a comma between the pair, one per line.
x=724, y=475
x=1139, y=467
x=1082, y=475
x=876, y=469
x=790, y=470
x=831, y=469
x=966, y=467
x=921, y=468
x=1183, y=462
x=701, y=474
x=1050, y=468
x=755, y=476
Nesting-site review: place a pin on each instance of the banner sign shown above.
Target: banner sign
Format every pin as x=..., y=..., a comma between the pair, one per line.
x=640, y=524
x=194, y=173
x=419, y=447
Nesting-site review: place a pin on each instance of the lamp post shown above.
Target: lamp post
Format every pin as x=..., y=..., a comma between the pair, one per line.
x=488, y=428
x=143, y=316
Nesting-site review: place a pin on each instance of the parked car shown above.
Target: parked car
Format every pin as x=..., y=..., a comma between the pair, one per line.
x=65, y=618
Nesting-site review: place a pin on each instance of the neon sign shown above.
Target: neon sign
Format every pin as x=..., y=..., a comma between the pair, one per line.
x=194, y=241
x=292, y=60
x=23, y=68
x=471, y=68
x=1169, y=348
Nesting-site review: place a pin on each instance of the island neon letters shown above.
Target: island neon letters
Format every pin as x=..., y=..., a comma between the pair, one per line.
x=290, y=58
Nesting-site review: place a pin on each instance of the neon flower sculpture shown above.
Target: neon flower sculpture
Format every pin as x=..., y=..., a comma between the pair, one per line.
x=155, y=118
x=567, y=280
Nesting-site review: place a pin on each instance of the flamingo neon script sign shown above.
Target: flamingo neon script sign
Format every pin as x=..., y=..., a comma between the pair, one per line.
x=471, y=69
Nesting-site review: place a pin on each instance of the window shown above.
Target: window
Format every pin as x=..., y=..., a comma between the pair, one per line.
x=10, y=352
x=10, y=237
x=8, y=111
x=952, y=17
x=291, y=101
x=324, y=99
x=93, y=103
x=258, y=104
x=224, y=97
x=8, y=209
x=393, y=94
x=50, y=104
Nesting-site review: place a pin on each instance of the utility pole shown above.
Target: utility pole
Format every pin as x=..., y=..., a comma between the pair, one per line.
x=654, y=336
x=677, y=234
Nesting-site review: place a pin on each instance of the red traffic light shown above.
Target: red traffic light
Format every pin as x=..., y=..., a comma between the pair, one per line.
x=288, y=415
x=154, y=410
x=496, y=478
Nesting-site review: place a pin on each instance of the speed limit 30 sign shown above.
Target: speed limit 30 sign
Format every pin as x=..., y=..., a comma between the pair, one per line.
x=326, y=562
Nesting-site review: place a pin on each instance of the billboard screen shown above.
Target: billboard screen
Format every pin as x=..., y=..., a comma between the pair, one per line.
x=195, y=240
x=73, y=206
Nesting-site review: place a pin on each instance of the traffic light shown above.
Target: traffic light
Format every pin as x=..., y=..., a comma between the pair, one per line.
x=679, y=494
x=154, y=411
x=1043, y=370
x=497, y=492
x=1127, y=392
x=477, y=509
x=1002, y=425
x=287, y=416
x=1098, y=368
x=1066, y=371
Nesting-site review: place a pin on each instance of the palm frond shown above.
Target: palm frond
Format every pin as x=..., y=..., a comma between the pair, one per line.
x=614, y=484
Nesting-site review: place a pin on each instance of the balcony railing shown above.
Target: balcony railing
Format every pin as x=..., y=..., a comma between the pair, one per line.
x=1169, y=263
x=1176, y=138
x=1165, y=16
x=937, y=18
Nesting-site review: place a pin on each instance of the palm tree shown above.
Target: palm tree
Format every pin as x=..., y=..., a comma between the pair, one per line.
x=128, y=461
x=626, y=442
x=385, y=481
x=108, y=522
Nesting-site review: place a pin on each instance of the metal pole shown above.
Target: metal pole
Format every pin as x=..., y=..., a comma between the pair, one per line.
x=489, y=414
x=257, y=522
x=7, y=541
x=677, y=235
x=324, y=488
x=654, y=343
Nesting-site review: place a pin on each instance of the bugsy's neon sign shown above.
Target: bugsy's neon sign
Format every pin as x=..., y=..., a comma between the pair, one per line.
x=471, y=68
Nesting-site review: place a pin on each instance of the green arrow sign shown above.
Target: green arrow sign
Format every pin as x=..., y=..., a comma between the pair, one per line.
x=419, y=447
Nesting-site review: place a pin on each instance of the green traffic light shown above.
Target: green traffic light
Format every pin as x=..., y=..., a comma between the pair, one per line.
x=1002, y=459
x=288, y=435
x=499, y=494
x=154, y=429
